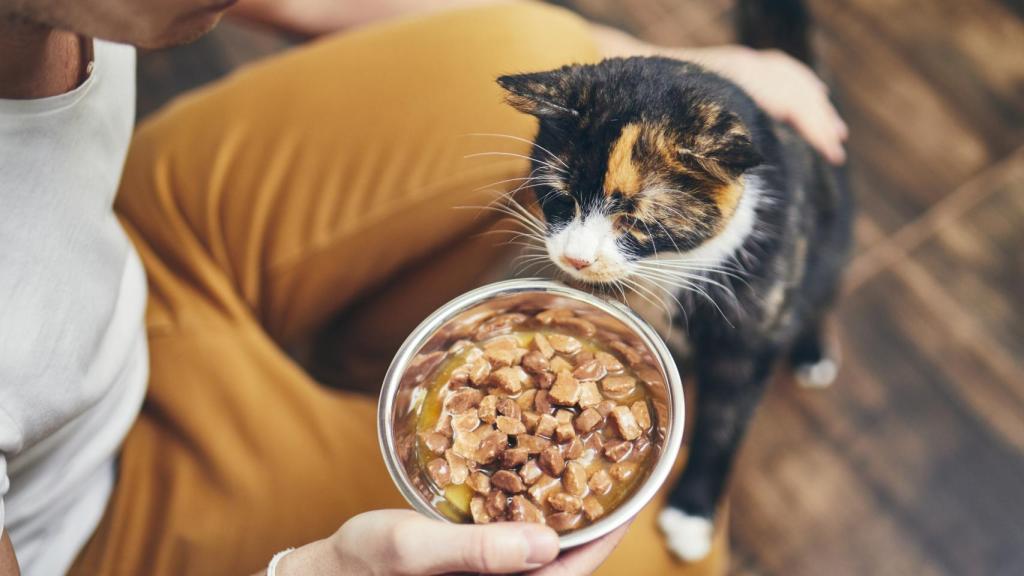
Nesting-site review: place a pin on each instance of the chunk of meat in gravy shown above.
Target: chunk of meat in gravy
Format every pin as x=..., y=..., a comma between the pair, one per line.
x=479, y=482
x=488, y=408
x=478, y=509
x=522, y=510
x=496, y=503
x=530, y=472
x=618, y=386
x=642, y=414
x=590, y=370
x=575, y=479
x=509, y=379
x=540, y=342
x=588, y=420
x=546, y=425
x=565, y=432
x=458, y=466
x=600, y=482
x=564, y=344
x=435, y=442
x=508, y=407
x=592, y=508
x=513, y=457
x=589, y=395
x=625, y=423
x=439, y=472
x=617, y=450
x=551, y=461
x=510, y=425
x=478, y=370
x=565, y=502
x=507, y=481
x=463, y=399
x=532, y=444
x=535, y=362
x=611, y=363
x=565, y=391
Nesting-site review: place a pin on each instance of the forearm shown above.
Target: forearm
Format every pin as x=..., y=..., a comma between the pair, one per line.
x=8, y=562
x=315, y=17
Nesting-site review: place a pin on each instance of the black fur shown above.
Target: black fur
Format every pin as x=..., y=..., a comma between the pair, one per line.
x=790, y=268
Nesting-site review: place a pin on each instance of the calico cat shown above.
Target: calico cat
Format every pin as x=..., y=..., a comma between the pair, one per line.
x=660, y=179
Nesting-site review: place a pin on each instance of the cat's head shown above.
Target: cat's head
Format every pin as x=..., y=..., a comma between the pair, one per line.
x=634, y=158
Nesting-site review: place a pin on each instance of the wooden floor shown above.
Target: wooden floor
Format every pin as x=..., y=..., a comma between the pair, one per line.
x=913, y=463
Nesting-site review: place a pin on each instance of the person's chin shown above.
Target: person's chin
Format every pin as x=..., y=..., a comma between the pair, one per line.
x=183, y=31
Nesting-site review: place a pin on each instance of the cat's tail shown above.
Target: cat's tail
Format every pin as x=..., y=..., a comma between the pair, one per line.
x=781, y=24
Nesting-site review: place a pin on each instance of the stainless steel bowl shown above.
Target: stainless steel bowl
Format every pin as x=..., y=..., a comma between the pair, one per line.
x=408, y=378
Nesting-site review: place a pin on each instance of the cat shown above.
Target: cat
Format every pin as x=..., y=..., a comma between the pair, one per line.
x=659, y=178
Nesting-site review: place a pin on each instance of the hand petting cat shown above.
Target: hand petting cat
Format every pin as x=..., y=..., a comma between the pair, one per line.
x=781, y=85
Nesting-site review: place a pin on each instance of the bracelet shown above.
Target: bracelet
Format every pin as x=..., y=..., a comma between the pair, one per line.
x=272, y=567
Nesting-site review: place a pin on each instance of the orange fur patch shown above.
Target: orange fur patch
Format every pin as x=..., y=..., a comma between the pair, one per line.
x=623, y=174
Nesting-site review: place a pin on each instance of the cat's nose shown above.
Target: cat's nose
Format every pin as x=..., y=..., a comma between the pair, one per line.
x=577, y=263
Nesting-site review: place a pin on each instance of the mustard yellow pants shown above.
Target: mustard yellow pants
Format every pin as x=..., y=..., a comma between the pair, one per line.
x=316, y=184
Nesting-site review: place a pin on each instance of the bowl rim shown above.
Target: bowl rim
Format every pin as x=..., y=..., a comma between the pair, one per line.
x=418, y=337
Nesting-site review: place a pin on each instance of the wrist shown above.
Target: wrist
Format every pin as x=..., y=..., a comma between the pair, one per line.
x=317, y=557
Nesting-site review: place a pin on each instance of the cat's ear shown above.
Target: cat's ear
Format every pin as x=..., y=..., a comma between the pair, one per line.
x=725, y=152
x=540, y=94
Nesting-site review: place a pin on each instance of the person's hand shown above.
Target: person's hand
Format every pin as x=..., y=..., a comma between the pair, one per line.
x=404, y=542
x=784, y=87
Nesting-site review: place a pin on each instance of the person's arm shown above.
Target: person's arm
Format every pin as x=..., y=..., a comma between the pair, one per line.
x=8, y=562
x=785, y=88
x=316, y=17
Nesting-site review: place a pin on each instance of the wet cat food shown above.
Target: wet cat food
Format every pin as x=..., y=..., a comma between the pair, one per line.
x=536, y=418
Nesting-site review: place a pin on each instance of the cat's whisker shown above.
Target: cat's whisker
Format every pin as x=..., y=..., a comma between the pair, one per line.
x=693, y=273
x=531, y=142
x=514, y=155
x=531, y=178
x=649, y=296
x=530, y=222
x=684, y=284
x=679, y=305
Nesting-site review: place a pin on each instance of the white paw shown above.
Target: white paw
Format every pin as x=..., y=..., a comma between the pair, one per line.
x=688, y=537
x=821, y=374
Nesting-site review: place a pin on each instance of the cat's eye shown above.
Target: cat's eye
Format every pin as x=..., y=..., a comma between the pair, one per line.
x=558, y=206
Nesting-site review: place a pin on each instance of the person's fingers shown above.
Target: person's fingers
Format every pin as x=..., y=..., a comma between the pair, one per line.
x=404, y=542
x=585, y=559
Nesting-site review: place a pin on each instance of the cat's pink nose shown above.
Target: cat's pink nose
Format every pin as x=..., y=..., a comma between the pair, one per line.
x=577, y=263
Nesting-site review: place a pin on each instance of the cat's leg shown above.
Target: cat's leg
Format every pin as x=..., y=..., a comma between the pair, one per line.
x=814, y=360
x=730, y=384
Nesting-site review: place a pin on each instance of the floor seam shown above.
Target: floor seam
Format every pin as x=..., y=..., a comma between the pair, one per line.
x=898, y=245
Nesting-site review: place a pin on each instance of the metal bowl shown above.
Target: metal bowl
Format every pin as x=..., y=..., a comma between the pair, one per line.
x=408, y=378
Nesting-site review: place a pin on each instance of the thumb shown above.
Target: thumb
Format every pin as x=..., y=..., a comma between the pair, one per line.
x=419, y=545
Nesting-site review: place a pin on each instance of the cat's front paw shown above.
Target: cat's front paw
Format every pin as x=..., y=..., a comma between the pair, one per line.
x=820, y=374
x=688, y=537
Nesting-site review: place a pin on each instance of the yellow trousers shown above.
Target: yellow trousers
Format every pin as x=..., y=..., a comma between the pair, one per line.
x=316, y=184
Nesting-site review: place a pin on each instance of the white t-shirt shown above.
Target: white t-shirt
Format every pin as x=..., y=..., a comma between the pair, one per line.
x=73, y=356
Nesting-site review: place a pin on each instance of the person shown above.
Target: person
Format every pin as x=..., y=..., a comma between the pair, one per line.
x=151, y=419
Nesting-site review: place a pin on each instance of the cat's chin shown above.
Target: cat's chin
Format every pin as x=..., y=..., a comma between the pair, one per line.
x=592, y=286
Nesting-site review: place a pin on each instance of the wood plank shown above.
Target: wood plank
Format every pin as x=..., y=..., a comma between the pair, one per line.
x=913, y=145
x=977, y=257
x=900, y=458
